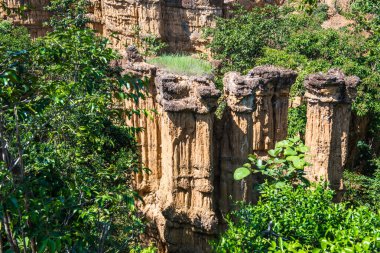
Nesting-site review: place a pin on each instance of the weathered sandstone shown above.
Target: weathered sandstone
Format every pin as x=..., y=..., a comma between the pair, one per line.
x=236, y=137
x=32, y=19
x=270, y=116
x=178, y=23
x=255, y=118
x=329, y=97
x=177, y=146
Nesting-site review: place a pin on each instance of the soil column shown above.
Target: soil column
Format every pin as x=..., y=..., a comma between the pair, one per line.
x=329, y=97
x=186, y=188
x=236, y=140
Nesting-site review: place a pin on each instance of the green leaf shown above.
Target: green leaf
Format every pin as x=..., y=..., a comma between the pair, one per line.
x=247, y=165
x=272, y=152
x=42, y=248
x=324, y=243
x=282, y=144
x=280, y=184
x=290, y=152
x=279, y=161
x=14, y=202
x=291, y=158
x=241, y=173
x=303, y=149
x=252, y=158
x=298, y=163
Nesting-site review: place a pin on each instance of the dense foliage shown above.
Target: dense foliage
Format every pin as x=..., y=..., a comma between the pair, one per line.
x=285, y=163
x=66, y=155
x=363, y=190
x=288, y=219
x=294, y=216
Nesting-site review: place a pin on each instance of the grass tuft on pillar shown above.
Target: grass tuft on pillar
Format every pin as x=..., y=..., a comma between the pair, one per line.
x=182, y=64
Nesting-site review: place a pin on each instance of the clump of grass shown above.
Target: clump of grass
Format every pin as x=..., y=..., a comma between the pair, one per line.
x=182, y=64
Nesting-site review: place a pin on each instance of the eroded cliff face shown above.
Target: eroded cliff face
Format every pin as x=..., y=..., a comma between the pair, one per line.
x=33, y=19
x=177, y=22
x=254, y=120
x=329, y=97
x=193, y=155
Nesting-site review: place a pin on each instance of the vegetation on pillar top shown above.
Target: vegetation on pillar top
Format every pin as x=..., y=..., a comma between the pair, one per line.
x=182, y=65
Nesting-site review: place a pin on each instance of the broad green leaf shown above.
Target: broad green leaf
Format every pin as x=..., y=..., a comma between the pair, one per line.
x=298, y=163
x=272, y=152
x=324, y=243
x=291, y=158
x=241, y=173
x=290, y=152
x=282, y=144
x=303, y=149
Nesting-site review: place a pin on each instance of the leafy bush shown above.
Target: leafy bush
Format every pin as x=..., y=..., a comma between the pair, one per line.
x=297, y=121
x=13, y=38
x=300, y=220
x=294, y=217
x=67, y=156
x=285, y=164
x=182, y=64
x=363, y=190
x=269, y=26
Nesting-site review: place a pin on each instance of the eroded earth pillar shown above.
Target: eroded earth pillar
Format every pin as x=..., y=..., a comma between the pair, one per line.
x=270, y=118
x=185, y=195
x=329, y=97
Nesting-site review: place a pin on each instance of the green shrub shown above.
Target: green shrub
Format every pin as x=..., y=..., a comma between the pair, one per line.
x=269, y=26
x=285, y=164
x=363, y=190
x=305, y=220
x=295, y=217
x=13, y=38
x=67, y=155
x=297, y=121
x=182, y=64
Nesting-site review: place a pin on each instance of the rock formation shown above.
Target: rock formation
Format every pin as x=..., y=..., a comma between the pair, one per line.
x=255, y=118
x=185, y=195
x=270, y=116
x=32, y=19
x=177, y=147
x=191, y=180
x=178, y=23
x=329, y=97
x=236, y=137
